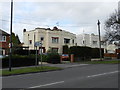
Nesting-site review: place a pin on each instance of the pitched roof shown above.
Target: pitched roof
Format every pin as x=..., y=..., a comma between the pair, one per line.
x=3, y=32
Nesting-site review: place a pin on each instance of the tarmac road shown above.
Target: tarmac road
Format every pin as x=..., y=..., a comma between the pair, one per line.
x=79, y=76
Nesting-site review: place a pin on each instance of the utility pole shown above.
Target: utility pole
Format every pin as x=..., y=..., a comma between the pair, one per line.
x=99, y=40
x=41, y=50
x=10, y=56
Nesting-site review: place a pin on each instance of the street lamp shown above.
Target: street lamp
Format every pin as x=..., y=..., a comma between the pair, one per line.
x=10, y=56
x=99, y=39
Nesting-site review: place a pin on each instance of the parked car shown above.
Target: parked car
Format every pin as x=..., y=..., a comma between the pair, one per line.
x=1, y=56
x=65, y=57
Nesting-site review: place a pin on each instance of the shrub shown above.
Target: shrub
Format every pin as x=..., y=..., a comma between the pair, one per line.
x=53, y=58
x=44, y=58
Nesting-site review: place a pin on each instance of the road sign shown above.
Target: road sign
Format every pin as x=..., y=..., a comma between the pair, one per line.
x=38, y=44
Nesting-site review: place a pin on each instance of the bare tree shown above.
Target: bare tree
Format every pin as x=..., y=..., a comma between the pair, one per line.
x=112, y=27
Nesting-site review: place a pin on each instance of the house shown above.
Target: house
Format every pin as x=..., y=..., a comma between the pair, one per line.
x=53, y=39
x=90, y=40
x=113, y=50
x=4, y=42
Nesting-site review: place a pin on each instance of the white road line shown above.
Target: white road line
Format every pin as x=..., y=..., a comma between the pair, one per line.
x=76, y=65
x=47, y=84
x=102, y=74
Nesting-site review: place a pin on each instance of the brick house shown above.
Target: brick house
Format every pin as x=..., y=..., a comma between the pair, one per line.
x=4, y=42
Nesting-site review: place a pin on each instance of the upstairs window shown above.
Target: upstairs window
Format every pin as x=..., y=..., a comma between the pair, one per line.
x=30, y=41
x=73, y=41
x=3, y=38
x=66, y=41
x=55, y=39
x=95, y=42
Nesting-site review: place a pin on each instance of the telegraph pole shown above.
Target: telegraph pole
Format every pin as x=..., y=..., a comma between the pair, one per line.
x=99, y=40
x=10, y=56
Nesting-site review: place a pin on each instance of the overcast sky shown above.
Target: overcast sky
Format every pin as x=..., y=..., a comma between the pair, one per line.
x=73, y=16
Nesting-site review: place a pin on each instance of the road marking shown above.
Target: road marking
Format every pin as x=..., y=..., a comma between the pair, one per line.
x=102, y=74
x=47, y=84
x=76, y=65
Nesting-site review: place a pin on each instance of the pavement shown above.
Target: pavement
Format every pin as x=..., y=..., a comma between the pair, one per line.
x=85, y=76
x=63, y=65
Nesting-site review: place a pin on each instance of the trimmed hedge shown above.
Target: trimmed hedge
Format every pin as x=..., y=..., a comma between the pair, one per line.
x=81, y=53
x=85, y=53
x=18, y=61
x=25, y=52
x=96, y=52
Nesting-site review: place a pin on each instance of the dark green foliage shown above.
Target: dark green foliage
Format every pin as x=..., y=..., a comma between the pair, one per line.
x=81, y=53
x=17, y=40
x=53, y=58
x=96, y=52
x=18, y=61
x=44, y=58
x=85, y=53
x=24, y=52
x=65, y=49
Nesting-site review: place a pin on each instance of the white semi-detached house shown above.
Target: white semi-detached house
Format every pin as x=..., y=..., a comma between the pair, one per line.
x=52, y=39
x=90, y=40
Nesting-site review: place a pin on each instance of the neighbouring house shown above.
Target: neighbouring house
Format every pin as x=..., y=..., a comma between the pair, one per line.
x=53, y=39
x=4, y=42
x=90, y=40
x=113, y=50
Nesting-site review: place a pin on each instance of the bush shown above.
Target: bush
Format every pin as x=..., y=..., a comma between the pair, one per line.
x=44, y=58
x=18, y=61
x=53, y=58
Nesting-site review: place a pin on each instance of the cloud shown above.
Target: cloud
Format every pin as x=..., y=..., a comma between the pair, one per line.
x=72, y=16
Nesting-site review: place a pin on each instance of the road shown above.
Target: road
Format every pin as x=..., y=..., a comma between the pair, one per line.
x=85, y=76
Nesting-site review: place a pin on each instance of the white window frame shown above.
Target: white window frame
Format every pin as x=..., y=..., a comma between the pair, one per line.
x=55, y=40
x=3, y=39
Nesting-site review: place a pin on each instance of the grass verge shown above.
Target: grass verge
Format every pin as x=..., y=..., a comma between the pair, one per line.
x=28, y=70
x=102, y=62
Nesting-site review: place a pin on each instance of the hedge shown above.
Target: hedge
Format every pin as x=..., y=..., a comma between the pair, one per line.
x=18, y=61
x=85, y=53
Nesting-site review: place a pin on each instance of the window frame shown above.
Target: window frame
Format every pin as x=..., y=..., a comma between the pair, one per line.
x=55, y=40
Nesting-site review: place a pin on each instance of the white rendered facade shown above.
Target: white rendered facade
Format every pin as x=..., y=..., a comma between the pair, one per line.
x=89, y=40
x=53, y=39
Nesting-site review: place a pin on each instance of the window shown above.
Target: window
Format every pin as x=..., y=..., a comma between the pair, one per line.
x=83, y=42
x=3, y=38
x=55, y=39
x=41, y=38
x=55, y=50
x=66, y=41
x=94, y=42
x=73, y=41
x=30, y=41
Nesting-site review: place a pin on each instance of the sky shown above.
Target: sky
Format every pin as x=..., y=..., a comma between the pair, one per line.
x=76, y=16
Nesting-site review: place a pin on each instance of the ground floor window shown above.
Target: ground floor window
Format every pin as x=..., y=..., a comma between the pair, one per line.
x=55, y=50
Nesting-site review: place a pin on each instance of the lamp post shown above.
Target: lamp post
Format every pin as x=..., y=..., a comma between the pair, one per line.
x=10, y=56
x=99, y=39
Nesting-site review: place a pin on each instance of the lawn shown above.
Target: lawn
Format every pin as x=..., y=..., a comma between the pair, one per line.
x=28, y=70
x=102, y=62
